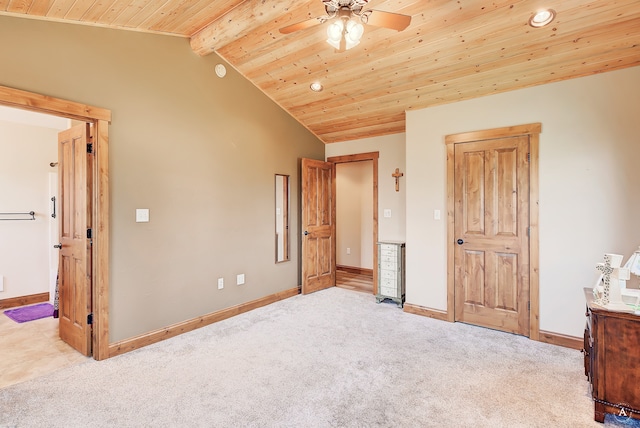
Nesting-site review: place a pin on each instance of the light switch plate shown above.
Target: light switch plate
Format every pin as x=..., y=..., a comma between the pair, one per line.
x=142, y=215
x=436, y=214
x=240, y=279
x=387, y=213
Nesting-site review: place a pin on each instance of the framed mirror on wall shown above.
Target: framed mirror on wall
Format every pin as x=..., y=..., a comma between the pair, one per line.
x=282, y=218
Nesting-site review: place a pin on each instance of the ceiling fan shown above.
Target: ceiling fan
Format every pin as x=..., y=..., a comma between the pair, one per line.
x=346, y=31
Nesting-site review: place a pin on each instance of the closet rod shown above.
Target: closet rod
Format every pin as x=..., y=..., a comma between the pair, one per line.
x=31, y=213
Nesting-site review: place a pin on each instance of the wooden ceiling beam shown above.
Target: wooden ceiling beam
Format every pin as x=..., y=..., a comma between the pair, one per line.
x=247, y=16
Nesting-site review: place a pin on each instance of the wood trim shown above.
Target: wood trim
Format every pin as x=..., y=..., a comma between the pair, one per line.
x=24, y=300
x=156, y=336
x=375, y=223
x=532, y=130
x=561, y=340
x=426, y=312
x=43, y=104
x=534, y=236
x=359, y=157
x=100, y=118
x=101, y=241
x=356, y=270
x=451, y=286
x=489, y=134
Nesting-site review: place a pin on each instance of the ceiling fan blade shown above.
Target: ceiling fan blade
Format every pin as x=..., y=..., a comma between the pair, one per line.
x=378, y=18
x=301, y=25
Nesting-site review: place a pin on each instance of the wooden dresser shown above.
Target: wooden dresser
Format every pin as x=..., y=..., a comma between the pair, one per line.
x=612, y=360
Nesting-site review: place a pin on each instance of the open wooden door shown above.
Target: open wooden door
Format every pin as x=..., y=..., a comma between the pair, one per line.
x=491, y=233
x=74, y=169
x=318, y=222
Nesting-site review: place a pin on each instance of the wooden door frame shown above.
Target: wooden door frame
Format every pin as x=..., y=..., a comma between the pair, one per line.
x=531, y=130
x=359, y=157
x=100, y=119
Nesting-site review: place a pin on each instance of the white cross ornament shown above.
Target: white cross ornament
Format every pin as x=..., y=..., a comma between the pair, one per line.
x=611, y=272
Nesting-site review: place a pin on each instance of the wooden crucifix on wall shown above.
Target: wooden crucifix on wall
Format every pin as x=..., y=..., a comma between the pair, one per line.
x=397, y=176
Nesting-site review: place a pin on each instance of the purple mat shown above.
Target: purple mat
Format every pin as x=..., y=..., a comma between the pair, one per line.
x=30, y=313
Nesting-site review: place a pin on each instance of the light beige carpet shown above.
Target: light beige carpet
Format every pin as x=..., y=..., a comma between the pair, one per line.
x=330, y=359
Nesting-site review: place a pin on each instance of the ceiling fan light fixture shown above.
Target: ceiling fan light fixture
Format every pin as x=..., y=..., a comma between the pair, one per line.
x=334, y=33
x=353, y=33
x=542, y=18
x=348, y=29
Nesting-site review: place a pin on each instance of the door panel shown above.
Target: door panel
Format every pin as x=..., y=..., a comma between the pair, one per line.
x=74, y=166
x=491, y=221
x=318, y=214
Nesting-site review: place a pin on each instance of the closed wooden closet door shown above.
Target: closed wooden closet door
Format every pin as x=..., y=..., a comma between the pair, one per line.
x=491, y=230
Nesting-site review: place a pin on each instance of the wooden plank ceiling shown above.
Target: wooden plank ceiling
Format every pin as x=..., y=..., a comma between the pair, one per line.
x=451, y=51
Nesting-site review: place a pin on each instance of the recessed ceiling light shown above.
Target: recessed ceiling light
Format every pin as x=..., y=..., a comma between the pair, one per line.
x=542, y=18
x=316, y=86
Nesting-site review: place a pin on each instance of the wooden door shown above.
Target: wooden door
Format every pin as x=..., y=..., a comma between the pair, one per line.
x=318, y=222
x=491, y=224
x=74, y=169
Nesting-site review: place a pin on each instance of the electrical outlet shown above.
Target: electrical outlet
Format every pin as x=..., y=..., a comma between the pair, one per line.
x=220, y=283
x=348, y=250
x=240, y=279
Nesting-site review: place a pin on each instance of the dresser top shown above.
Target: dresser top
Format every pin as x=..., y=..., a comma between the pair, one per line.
x=594, y=307
x=392, y=242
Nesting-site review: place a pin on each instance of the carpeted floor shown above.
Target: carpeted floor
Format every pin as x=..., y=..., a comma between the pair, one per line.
x=334, y=358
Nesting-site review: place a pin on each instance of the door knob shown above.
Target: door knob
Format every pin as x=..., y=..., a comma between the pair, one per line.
x=306, y=233
x=59, y=246
x=460, y=241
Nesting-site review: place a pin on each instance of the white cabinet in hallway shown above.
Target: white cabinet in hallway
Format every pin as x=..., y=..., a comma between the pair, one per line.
x=391, y=271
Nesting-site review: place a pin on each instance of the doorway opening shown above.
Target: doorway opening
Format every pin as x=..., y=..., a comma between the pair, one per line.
x=356, y=202
x=28, y=259
x=99, y=119
x=354, y=226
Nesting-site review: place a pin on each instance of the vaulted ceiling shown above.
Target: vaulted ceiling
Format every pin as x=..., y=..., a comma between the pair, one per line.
x=451, y=51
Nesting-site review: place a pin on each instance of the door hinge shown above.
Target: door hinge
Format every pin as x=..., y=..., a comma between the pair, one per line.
x=89, y=234
x=528, y=157
x=529, y=305
x=90, y=148
x=90, y=319
x=529, y=231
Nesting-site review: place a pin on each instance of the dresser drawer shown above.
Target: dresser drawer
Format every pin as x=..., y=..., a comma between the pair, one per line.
x=388, y=282
x=388, y=265
x=388, y=259
x=391, y=248
x=389, y=291
x=388, y=274
x=388, y=250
